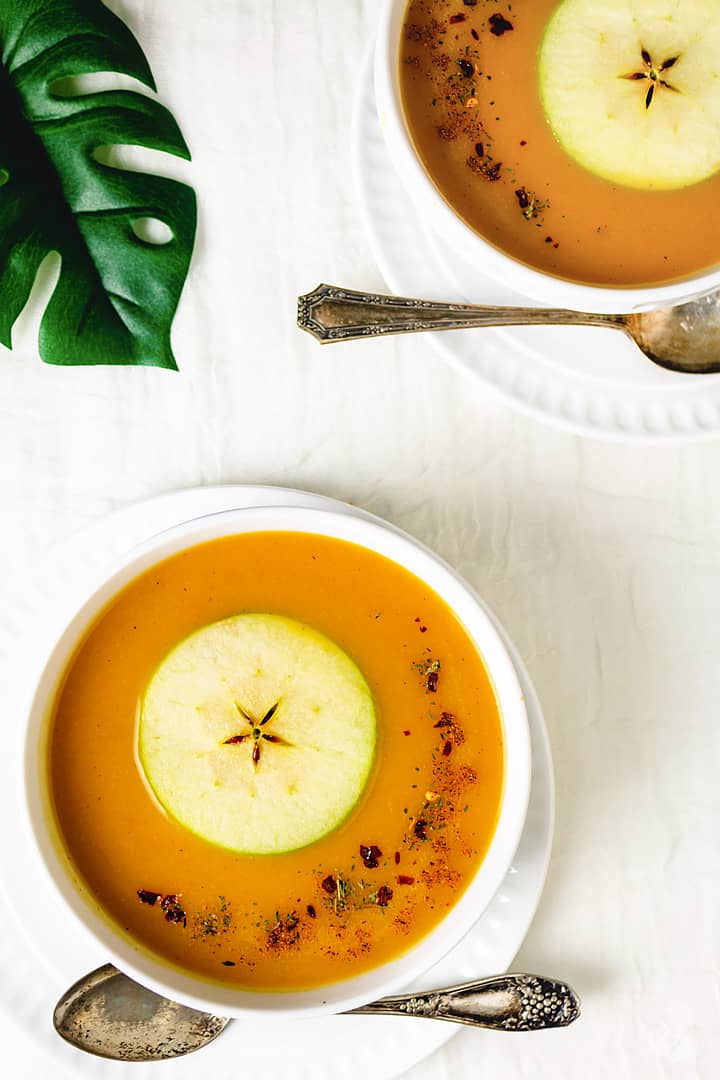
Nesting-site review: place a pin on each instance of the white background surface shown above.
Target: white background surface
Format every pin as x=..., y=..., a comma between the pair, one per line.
x=602, y=561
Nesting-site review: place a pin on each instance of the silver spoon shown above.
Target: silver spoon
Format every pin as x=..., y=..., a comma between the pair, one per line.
x=108, y=1014
x=681, y=338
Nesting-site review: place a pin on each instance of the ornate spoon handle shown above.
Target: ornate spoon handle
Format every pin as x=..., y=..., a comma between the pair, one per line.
x=331, y=314
x=503, y=1003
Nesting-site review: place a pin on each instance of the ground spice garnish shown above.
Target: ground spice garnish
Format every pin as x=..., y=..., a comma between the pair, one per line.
x=467, y=68
x=457, y=18
x=447, y=748
x=499, y=25
x=311, y=911
x=420, y=829
x=383, y=896
x=475, y=34
x=405, y=879
x=329, y=885
x=485, y=169
x=147, y=897
x=370, y=855
x=228, y=963
x=432, y=682
x=284, y=932
x=208, y=925
x=397, y=857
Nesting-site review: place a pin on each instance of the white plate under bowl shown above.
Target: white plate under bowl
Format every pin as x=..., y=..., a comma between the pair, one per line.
x=588, y=381
x=327, y=1047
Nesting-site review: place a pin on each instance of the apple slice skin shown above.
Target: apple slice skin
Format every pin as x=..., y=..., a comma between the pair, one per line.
x=602, y=119
x=254, y=794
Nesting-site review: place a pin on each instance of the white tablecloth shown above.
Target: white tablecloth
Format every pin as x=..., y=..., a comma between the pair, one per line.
x=602, y=561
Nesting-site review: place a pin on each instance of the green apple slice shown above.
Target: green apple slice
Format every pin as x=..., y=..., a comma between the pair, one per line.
x=258, y=734
x=631, y=88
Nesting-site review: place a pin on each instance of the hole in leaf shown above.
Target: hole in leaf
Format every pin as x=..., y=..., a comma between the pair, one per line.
x=152, y=231
x=4, y=176
x=94, y=82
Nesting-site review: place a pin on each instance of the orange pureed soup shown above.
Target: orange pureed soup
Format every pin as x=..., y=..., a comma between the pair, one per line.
x=473, y=103
x=365, y=892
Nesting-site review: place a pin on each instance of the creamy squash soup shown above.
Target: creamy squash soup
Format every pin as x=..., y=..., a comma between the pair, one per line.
x=276, y=760
x=581, y=137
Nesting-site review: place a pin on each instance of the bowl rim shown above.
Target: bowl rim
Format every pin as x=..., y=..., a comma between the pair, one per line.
x=444, y=221
x=139, y=962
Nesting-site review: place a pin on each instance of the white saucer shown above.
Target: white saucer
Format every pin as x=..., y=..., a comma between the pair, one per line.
x=50, y=953
x=588, y=381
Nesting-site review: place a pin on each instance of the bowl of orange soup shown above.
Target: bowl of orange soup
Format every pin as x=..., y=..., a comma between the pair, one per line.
x=568, y=148
x=278, y=762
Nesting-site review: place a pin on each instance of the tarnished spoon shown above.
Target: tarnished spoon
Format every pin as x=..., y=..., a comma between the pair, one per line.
x=108, y=1014
x=681, y=338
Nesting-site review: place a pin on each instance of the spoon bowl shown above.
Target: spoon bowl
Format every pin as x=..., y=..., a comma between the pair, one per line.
x=684, y=337
x=110, y=1015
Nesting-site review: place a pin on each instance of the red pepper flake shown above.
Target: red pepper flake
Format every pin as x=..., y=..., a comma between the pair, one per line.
x=499, y=25
x=469, y=3
x=329, y=885
x=447, y=719
x=467, y=68
x=523, y=198
x=405, y=879
x=457, y=18
x=397, y=857
x=423, y=629
x=383, y=896
x=176, y=915
x=147, y=897
x=228, y=963
x=406, y=733
x=429, y=673
x=475, y=34
x=523, y=142
x=420, y=829
x=447, y=749
x=493, y=172
x=479, y=149
x=174, y=912
x=311, y=910
x=370, y=855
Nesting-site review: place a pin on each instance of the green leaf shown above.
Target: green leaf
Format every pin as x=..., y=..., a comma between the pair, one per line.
x=117, y=293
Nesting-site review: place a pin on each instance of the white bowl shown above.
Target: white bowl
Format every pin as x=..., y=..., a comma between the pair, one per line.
x=445, y=222
x=149, y=969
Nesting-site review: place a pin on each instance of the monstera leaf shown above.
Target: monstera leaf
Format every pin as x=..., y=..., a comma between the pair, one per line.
x=117, y=292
